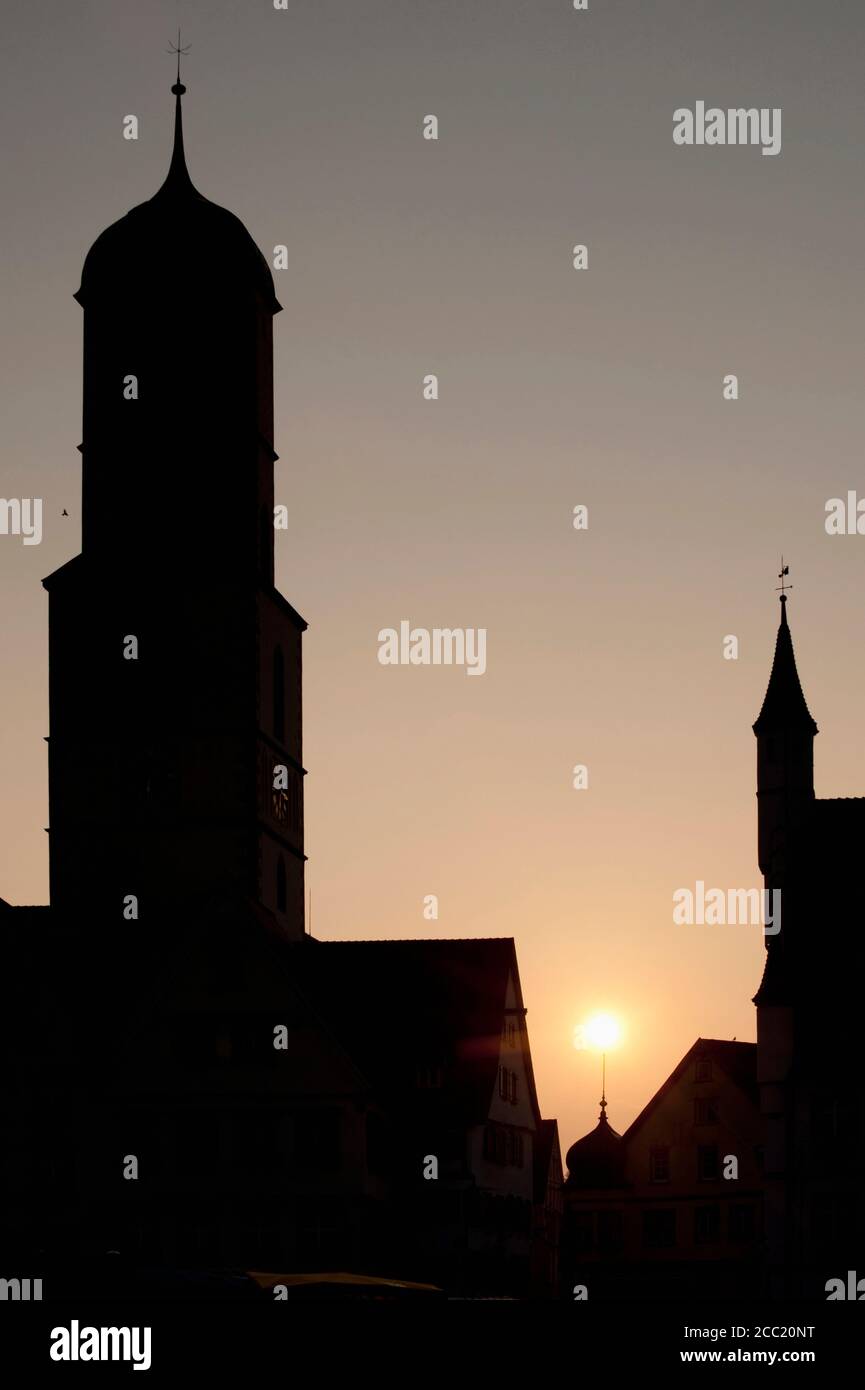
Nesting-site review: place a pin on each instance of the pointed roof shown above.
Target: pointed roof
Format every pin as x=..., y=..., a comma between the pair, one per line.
x=177, y=181
x=784, y=706
x=395, y=1004
x=738, y=1060
x=176, y=244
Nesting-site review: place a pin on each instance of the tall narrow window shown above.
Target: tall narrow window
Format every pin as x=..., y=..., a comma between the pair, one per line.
x=278, y=695
x=659, y=1163
x=265, y=534
x=280, y=885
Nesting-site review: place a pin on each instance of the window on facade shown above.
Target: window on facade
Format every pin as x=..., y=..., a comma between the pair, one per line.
x=317, y=1140
x=198, y=1232
x=833, y=1120
x=707, y=1162
x=490, y=1143
x=322, y=1240
x=583, y=1229
x=826, y=1223
x=504, y=1146
x=609, y=1230
x=659, y=1163
x=706, y=1111
x=379, y=1144
x=258, y=1142
x=513, y=1088
x=162, y=776
x=659, y=1229
x=196, y=1143
x=704, y=1069
x=265, y=535
x=278, y=695
x=503, y=1082
x=429, y=1077
x=280, y=885
x=707, y=1225
x=742, y=1223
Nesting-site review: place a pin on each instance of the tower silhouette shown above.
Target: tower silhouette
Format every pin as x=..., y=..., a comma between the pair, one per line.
x=785, y=735
x=808, y=1067
x=175, y=751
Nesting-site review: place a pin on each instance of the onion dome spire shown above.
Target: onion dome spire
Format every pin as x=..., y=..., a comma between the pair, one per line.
x=177, y=232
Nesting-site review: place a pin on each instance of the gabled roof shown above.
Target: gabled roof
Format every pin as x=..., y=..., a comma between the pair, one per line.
x=547, y=1158
x=391, y=1006
x=737, y=1059
x=399, y=1005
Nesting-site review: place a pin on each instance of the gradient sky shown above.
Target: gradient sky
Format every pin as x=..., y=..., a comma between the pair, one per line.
x=557, y=387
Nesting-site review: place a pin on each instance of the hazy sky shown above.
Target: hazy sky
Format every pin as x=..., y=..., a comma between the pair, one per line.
x=557, y=387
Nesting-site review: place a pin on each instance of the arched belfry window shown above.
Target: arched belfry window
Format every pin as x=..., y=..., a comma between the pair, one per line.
x=278, y=695
x=280, y=884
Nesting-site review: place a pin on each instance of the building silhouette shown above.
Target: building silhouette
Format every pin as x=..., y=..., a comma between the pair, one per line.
x=649, y=1214
x=792, y=1108
x=809, y=1063
x=189, y=1078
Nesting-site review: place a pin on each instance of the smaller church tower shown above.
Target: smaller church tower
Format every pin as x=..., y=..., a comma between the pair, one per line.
x=785, y=759
x=785, y=734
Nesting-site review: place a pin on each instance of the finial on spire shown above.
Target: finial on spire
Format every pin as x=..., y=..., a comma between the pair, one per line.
x=178, y=89
x=785, y=569
x=178, y=175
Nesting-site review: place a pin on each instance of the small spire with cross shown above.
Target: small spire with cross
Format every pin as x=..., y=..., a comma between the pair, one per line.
x=785, y=570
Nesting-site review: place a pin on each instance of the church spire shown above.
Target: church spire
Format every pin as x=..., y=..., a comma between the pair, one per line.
x=785, y=759
x=177, y=179
x=784, y=706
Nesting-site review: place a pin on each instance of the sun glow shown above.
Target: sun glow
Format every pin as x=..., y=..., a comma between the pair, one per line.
x=601, y=1031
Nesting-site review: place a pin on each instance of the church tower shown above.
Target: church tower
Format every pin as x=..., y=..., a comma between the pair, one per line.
x=785, y=735
x=785, y=759
x=175, y=749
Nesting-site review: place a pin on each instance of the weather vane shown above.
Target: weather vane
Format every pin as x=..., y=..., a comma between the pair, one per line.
x=176, y=48
x=785, y=569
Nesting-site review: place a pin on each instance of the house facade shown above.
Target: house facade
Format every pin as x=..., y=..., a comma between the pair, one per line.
x=674, y=1206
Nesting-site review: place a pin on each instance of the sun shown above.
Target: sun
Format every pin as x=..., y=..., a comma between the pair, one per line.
x=602, y=1031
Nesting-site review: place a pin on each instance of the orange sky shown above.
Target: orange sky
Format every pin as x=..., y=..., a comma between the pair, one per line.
x=557, y=387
